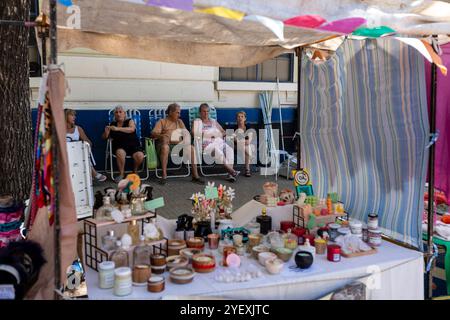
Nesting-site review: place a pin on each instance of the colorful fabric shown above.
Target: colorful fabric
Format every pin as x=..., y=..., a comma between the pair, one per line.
x=442, y=175
x=305, y=21
x=223, y=12
x=176, y=4
x=364, y=129
x=346, y=26
x=373, y=32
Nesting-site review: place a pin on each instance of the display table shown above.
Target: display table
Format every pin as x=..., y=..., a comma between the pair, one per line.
x=400, y=276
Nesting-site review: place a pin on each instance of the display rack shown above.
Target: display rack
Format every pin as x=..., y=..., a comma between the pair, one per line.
x=299, y=220
x=95, y=255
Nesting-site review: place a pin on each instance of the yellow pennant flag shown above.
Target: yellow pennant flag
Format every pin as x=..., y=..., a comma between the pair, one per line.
x=223, y=12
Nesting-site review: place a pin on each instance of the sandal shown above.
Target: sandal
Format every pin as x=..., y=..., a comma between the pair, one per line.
x=198, y=181
x=248, y=173
x=162, y=181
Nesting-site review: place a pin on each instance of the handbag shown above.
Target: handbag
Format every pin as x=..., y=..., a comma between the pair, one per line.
x=152, y=157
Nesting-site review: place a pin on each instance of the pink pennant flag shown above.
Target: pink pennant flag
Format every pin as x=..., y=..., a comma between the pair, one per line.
x=306, y=21
x=347, y=25
x=187, y=5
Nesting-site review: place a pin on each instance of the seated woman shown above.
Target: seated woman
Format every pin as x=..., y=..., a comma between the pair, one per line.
x=212, y=144
x=162, y=132
x=248, y=137
x=76, y=133
x=125, y=142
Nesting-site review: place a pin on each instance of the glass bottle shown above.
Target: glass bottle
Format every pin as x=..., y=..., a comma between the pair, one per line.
x=137, y=204
x=104, y=212
x=123, y=200
x=142, y=253
x=290, y=240
x=120, y=257
x=152, y=231
x=134, y=232
x=109, y=241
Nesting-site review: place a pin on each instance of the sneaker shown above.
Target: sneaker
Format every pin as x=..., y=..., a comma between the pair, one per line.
x=118, y=179
x=100, y=177
x=198, y=181
x=162, y=181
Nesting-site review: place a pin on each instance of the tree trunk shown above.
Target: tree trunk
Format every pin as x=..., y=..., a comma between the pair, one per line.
x=16, y=137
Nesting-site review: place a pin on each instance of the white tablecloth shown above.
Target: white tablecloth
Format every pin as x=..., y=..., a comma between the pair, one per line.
x=398, y=275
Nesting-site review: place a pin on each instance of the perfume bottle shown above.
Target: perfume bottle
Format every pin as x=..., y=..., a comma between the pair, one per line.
x=123, y=201
x=134, y=232
x=152, y=232
x=120, y=256
x=142, y=253
x=109, y=241
x=104, y=212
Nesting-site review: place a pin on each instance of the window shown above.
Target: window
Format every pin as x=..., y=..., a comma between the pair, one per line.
x=267, y=71
x=33, y=52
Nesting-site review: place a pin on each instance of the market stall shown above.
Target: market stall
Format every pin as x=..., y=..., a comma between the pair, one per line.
x=244, y=42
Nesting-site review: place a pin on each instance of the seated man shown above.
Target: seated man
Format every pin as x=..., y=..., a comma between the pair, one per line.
x=164, y=132
x=212, y=144
x=125, y=142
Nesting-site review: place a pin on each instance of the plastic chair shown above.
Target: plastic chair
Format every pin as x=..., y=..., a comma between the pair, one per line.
x=154, y=115
x=135, y=115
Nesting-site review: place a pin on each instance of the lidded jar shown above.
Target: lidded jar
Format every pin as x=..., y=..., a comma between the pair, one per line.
x=109, y=241
x=142, y=253
x=104, y=212
x=123, y=284
x=290, y=240
x=106, y=274
x=120, y=256
x=137, y=204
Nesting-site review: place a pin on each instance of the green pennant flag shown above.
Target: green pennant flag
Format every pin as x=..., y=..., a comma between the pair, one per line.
x=154, y=204
x=373, y=32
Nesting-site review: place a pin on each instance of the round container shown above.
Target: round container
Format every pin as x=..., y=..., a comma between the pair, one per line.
x=240, y=250
x=343, y=231
x=372, y=221
x=196, y=242
x=274, y=266
x=106, y=274
x=286, y=225
x=233, y=260
x=213, y=241
x=182, y=275
x=176, y=261
x=174, y=247
x=304, y=259
x=334, y=253
x=333, y=230
x=189, y=253
x=254, y=228
x=226, y=252
x=374, y=237
x=141, y=273
x=356, y=227
x=321, y=246
x=156, y=284
x=158, y=269
x=254, y=239
x=122, y=281
x=158, y=260
x=264, y=256
x=258, y=249
x=237, y=239
x=365, y=233
x=284, y=253
x=203, y=263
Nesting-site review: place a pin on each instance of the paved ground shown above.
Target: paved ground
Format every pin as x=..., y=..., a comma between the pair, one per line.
x=177, y=191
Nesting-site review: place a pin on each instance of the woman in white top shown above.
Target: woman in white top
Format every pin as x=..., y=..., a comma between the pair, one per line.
x=208, y=135
x=76, y=133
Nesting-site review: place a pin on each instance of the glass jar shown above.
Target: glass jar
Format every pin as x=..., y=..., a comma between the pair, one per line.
x=372, y=221
x=104, y=212
x=134, y=232
x=109, y=241
x=120, y=257
x=142, y=253
x=374, y=237
x=365, y=233
x=122, y=281
x=106, y=274
x=355, y=227
x=152, y=232
x=123, y=200
x=333, y=231
x=290, y=240
x=137, y=205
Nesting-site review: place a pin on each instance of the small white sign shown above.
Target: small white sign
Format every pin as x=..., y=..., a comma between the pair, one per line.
x=7, y=292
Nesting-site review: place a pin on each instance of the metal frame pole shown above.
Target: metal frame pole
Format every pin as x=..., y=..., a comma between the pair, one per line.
x=431, y=160
x=299, y=73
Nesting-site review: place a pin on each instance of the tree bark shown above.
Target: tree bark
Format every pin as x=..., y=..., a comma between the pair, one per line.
x=16, y=137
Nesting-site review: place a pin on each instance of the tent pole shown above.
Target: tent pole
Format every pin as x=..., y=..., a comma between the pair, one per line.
x=431, y=161
x=55, y=151
x=299, y=73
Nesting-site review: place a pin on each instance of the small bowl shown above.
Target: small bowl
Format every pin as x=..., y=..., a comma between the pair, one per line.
x=182, y=275
x=197, y=243
x=264, y=256
x=155, y=284
x=274, y=266
x=258, y=249
x=203, y=263
x=304, y=259
x=284, y=253
x=176, y=261
x=189, y=253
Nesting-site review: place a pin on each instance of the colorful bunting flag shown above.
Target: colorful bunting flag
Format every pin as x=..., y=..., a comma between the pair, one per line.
x=305, y=21
x=373, y=32
x=276, y=26
x=223, y=12
x=186, y=5
x=347, y=25
x=66, y=3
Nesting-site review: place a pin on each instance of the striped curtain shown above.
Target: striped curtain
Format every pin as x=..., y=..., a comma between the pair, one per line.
x=364, y=129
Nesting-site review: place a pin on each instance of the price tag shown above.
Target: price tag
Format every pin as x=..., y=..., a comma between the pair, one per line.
x=154, y=204
x=211, y=193
x=7, y=292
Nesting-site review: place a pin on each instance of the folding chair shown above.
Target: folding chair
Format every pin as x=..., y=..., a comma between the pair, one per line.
x=194, y=113
x=135, y=115
x=154, y=115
